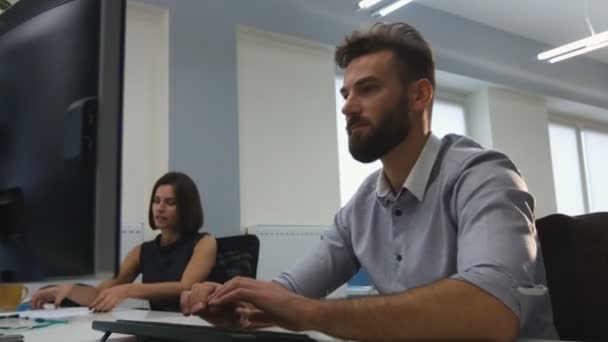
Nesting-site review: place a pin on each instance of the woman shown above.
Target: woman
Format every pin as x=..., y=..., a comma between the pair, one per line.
x=177, y=258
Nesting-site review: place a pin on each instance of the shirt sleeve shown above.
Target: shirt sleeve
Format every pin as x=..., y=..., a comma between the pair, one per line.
x=497, y=244
x=329, y=265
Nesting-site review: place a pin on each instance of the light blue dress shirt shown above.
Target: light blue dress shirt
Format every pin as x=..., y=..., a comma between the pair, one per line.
x=463, y=213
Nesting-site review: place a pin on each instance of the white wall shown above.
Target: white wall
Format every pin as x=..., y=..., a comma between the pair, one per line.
x=516, y=123
x=287, y=130
x=146, y=114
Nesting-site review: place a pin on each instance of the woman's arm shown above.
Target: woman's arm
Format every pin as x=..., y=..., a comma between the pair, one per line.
x=199, y=267
x=129, y=270
x=85, y=295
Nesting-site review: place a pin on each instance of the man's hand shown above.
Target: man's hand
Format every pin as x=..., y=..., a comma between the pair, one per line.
x=196, y=302
x=109, y=298
x=266, y=303
x=55, y=295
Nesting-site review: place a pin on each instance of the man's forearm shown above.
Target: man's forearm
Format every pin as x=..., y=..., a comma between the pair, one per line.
x=449, y=309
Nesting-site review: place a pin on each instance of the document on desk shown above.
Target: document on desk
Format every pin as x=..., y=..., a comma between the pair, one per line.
x=61, y=313
x=57, y=313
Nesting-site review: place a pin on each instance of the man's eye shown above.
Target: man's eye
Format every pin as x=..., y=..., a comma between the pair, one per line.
x=368, y=88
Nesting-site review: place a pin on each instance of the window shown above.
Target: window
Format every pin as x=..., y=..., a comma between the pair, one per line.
x=579, y=166
x=448, y=117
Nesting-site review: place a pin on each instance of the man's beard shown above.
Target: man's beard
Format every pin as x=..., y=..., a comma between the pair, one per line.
x=392, y=129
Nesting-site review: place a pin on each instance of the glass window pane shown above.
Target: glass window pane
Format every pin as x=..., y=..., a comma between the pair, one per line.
x=596, y=159
x=448, y=117
x=566, y=169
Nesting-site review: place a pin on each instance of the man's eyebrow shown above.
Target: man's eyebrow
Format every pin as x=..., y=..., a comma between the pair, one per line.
x=360, y=82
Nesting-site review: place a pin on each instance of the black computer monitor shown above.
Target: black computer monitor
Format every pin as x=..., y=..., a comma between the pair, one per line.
x=61, y=72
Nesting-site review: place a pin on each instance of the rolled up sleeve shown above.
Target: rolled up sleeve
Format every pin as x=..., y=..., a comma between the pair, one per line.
x=329, y=265
x=497, y=246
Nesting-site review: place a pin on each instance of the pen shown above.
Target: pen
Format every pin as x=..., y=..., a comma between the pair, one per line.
x=10, y=316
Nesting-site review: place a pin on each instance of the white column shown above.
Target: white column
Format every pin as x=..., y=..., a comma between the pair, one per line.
x=517, y=124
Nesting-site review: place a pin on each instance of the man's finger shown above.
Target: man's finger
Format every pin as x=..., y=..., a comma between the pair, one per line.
x=233, y=284
x=203, y=293
x=236, y=296
x=198, y=307
x=230, y=285
x=254, y=318
x=184, y=304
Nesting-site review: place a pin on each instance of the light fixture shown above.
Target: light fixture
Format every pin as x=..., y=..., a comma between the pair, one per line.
x=579, y=47
x=363, y=4
x=391, y=8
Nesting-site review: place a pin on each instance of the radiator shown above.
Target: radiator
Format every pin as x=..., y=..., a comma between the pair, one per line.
x=131, y=236
x=281, y=246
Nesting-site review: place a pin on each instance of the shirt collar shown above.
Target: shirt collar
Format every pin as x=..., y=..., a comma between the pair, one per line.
x=418, y=178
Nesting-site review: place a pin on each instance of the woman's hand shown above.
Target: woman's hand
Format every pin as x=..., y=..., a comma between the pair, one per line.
x=55, y=295
x=109, y=298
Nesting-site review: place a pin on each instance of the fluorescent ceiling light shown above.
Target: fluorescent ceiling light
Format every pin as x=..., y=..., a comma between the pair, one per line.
x=579, y=51
x=367, y=3
x=392, y=7
x=576, y=48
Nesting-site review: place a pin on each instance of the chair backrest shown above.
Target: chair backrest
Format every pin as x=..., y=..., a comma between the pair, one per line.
x=575, y=251
x=236, y=256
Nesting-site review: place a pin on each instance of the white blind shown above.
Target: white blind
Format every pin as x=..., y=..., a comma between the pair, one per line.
x=287, y=143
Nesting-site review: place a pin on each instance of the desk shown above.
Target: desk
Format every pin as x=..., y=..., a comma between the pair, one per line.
x=79, y=328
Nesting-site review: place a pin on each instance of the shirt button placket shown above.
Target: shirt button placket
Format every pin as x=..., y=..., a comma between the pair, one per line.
x=398, y=231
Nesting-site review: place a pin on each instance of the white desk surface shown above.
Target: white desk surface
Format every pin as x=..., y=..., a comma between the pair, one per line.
x=79, y=328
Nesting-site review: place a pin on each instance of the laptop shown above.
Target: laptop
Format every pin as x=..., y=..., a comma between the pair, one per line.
x=159, y=331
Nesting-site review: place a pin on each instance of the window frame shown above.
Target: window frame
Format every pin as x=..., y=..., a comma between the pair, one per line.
x=580, y=125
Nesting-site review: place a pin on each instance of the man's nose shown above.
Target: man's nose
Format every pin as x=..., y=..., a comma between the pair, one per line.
x=351, y=106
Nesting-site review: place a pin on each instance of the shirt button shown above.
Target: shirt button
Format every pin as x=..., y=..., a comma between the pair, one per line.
x=398, y=257
x=398, y=212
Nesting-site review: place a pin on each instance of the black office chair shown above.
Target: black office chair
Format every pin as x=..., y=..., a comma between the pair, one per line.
x=575, y=250
x=236, y=256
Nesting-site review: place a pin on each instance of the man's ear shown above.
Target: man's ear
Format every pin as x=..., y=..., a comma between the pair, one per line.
x=421, y=94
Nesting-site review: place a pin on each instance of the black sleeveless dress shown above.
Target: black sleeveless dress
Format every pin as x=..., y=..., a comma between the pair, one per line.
x=166, y=264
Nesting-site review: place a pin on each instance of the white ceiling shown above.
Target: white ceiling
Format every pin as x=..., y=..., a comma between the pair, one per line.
x=553, y=22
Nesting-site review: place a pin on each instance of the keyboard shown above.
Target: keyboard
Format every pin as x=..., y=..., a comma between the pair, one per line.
x=159, y=331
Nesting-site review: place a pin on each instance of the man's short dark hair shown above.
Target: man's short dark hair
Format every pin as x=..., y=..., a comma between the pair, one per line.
x=189, y=209
x=412, y=53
